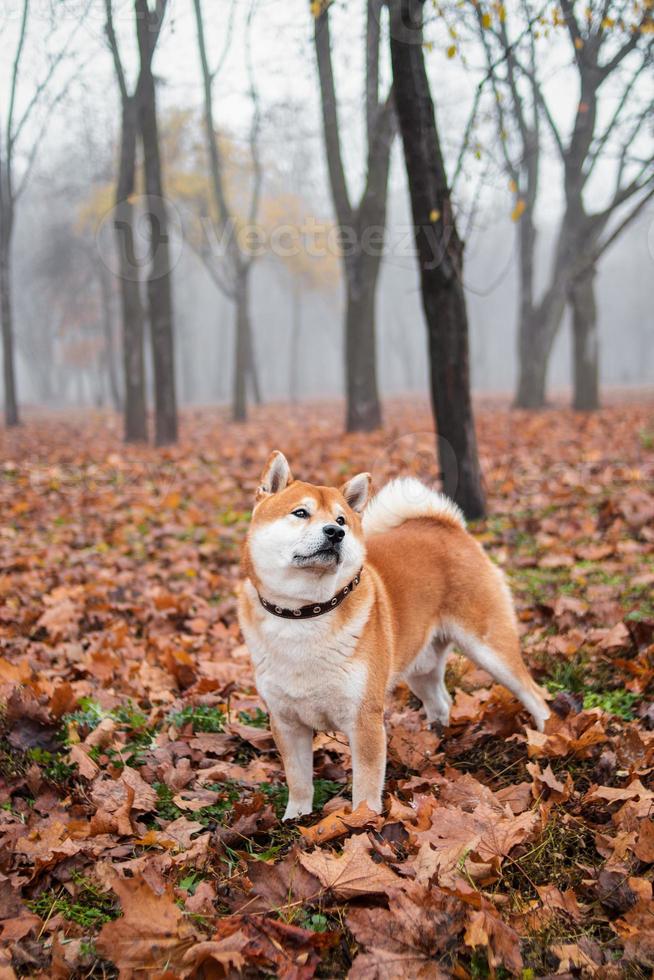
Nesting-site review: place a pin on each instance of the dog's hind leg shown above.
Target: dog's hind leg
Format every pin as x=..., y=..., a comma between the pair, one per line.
x=426, y=678
x=498, y=653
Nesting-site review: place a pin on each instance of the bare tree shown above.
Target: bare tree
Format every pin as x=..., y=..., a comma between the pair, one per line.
x=24, y=128
x=519, y=135
x=232, y=276
x=362, y=226
x=440, y=257
x=139, y=117
x=160, y=302
x=603, y=55
x=133, y=314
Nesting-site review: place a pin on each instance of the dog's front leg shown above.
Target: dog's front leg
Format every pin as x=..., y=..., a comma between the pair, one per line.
x=368, y=743
x=295, y=744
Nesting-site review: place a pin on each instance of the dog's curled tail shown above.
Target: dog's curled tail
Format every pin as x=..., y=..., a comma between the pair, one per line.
x=406, y=498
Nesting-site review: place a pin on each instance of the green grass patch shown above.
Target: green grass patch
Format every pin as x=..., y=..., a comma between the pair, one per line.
x=130, y=720
x=256, y=718
x=209, y=816
x=200, y=717
x=618, y=702
x=53, y=765
x=89, y=908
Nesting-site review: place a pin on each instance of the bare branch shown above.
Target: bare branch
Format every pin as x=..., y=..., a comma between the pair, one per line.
x=115, y=51
x=627, y=220
x=215, y=160
x=330, y=119
x=14, y=85
x=227, y=44
x=45, y=82
x=373, y=30
x=615, y=119
x=256, y=120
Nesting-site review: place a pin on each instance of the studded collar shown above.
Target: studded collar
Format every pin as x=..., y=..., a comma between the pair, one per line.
x=313, y=609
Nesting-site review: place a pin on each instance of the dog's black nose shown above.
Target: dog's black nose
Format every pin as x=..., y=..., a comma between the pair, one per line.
x=334, y=532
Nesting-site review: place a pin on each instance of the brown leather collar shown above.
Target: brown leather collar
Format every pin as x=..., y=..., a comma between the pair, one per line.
x=314, y=609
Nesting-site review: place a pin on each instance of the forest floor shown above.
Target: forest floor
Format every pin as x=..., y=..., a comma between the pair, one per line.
x=140, y=792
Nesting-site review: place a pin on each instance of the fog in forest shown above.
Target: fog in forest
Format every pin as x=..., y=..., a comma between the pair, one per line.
x=66, y=296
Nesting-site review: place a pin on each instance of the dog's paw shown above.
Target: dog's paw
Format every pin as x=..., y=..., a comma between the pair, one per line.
x=297, y=809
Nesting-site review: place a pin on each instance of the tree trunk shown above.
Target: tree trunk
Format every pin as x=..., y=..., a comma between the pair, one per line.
x=109, y=365
x=358, y=225
x=241, y=343
x=136, y=427
x=363, y=406
x=533, y=351
x=586, y=343
x=252, y=369
x=160, y=301
x=537, y=333
x=440, y=254
x=12, y=417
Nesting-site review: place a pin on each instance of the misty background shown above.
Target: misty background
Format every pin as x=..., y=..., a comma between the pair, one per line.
x=67, y=306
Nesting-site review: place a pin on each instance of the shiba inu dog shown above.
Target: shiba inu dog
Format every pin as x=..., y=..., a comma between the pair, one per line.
x=343, y=598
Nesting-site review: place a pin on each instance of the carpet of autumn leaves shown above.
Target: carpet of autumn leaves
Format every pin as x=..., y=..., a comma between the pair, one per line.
x=140, y=793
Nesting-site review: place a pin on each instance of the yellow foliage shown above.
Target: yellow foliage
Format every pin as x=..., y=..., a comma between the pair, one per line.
x=518, y=210
x=304, y=244
x=451, y=51
x=434, y=215
x=318, y=7
x=486, y=20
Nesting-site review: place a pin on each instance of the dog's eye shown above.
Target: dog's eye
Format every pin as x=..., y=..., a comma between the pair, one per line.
x=340, y=520
x=300, y=512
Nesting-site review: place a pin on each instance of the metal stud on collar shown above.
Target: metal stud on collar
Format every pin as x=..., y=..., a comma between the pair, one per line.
x=312, y=610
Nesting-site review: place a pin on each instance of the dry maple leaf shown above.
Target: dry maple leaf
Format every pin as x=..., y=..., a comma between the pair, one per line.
x=339, y=823
x=277, y=885
x=413, y=749
x=406, y=939
x=61, y=619
x=572, y=957
x=546, y=785
x=454, y=834
x=554, y=899
x=151, y=934
x=352, y=873
x=46, y=845
x=501, y=942
x=264, y=943
x=613, y=794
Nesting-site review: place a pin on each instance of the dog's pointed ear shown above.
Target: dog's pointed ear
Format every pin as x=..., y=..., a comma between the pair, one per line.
x=276, y=474
x=357, y=490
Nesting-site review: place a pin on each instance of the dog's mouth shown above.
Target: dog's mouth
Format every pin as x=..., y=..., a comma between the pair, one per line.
x=323, y=557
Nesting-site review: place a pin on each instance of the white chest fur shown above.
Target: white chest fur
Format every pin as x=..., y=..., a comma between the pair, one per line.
x=306, y=671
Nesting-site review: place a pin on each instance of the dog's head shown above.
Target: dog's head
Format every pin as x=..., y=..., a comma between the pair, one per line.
x=305, y=541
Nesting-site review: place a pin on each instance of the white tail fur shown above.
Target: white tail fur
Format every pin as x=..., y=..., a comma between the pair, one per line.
x=405, y=498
